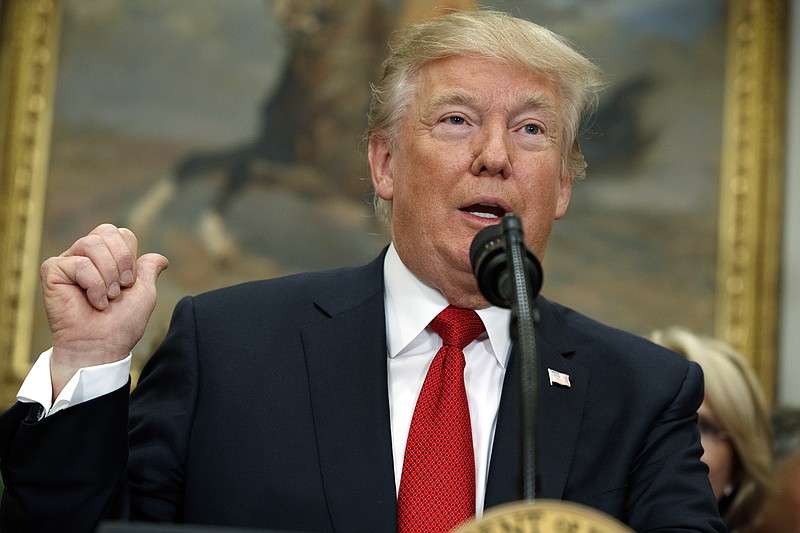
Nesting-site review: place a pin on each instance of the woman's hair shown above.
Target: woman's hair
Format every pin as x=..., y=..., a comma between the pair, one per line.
x=496, y=36
x=737, y=399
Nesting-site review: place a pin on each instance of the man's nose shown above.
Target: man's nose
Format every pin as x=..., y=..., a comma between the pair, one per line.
x=492, y=151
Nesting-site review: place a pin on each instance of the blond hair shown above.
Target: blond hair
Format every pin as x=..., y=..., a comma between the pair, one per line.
x=493, y=35
x=736, y=396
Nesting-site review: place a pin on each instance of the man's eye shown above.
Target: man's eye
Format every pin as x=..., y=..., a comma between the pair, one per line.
x=455, y=120
x=533, y=129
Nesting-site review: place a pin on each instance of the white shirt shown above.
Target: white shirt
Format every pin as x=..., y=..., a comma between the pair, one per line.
x=410, y=306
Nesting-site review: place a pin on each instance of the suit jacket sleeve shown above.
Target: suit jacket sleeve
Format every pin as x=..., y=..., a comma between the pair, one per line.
x=71, y=470
x=67, y=471
x=668, y=474
x=264, y=406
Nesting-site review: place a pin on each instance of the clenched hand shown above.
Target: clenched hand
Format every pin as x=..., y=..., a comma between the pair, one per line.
x=98, y=298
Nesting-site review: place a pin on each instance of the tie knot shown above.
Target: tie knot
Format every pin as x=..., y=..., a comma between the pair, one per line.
x=457, y=327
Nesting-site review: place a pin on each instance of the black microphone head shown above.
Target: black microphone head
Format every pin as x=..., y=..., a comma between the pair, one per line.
x=489, y=259
x=485, y=242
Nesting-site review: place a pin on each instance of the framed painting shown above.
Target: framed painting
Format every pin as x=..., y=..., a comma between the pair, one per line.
x=226, y=135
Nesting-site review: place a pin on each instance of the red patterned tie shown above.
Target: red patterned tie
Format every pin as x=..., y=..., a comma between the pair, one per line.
x=437, y=487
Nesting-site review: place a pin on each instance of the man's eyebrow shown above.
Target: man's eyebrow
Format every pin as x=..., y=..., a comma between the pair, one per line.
x=540, y=102
x=454, y=96
x=534, y=100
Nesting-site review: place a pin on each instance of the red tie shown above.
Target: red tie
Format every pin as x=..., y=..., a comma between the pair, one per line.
x=437, y=487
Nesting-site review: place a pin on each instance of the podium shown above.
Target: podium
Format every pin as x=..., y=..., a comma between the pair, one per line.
x=544, y=516
x=148, y=527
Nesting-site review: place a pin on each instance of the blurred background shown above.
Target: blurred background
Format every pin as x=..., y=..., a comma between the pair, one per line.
x=228, y=136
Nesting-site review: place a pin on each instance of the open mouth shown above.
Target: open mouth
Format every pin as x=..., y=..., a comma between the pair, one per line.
x=490, y=211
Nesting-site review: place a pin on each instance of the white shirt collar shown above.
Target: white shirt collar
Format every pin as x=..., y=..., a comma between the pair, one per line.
x=411, y=305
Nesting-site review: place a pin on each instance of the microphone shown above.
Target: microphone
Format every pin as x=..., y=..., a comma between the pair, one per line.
x=509, y=275
x=490, y=254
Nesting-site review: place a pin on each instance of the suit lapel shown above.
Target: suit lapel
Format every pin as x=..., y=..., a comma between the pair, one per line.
x=346, y=361
x=560, y=412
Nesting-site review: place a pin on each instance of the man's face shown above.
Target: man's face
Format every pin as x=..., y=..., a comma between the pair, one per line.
x=479, y=140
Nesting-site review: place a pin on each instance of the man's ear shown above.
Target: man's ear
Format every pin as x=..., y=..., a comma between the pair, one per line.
x=564, y=193
x=379, y=156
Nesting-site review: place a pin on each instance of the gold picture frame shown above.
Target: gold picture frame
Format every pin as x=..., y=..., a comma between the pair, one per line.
x=751, y=179
x=751, y=184
x=28, y=52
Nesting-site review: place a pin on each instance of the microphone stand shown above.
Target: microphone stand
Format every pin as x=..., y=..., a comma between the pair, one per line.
x=523, y=333
x=510, y=276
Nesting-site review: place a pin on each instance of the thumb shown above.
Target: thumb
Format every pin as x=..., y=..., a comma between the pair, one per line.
x=150, y=266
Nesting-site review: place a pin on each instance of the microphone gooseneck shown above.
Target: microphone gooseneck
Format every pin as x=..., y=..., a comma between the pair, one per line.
x=509, y=275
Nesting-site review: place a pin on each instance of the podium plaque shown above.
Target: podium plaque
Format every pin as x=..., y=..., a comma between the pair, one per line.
x=544, y=516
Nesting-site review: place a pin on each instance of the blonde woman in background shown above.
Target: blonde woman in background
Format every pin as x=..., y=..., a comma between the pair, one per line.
x=734, y=426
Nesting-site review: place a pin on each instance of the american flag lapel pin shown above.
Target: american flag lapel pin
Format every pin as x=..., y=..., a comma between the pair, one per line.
x=558, y=378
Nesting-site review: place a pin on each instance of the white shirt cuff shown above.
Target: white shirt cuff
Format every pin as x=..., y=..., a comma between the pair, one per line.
x=87, y=384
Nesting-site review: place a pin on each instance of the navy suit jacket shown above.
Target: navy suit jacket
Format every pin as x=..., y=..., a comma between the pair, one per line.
x=266, y=406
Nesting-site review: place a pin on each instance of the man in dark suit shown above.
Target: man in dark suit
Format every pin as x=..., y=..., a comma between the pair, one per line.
x=292, y=403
